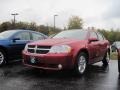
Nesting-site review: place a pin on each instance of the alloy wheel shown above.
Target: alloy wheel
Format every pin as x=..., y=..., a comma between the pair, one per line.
x=82, y=64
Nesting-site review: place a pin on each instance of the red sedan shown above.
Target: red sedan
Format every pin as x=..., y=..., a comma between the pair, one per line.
x=70, y=49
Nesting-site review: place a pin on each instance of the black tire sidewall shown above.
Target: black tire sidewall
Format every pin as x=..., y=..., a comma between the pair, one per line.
x=105, y=61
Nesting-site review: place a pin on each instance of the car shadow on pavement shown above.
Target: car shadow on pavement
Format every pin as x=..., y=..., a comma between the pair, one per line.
x=18, y=69
x=91, y=70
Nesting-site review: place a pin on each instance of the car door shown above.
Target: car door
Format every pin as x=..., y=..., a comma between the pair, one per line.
x=93, y=47
x=102, y=44
x=19, y=41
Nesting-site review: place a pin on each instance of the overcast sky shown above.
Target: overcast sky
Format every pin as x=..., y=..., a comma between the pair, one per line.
x=96, y=13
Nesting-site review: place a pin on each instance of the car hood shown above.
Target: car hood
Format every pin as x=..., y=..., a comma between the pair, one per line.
x=4, y=40
x=51, y=42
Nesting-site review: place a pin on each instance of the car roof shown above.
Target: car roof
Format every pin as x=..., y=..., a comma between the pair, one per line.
x=26, y=30
x=18, y=30
x=22, y=30
x=87, y=30
x=116, y=42
x=75, y=29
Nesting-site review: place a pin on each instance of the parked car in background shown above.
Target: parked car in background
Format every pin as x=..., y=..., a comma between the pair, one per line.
x=116, y=47
x=70, y=49
x=12, y=42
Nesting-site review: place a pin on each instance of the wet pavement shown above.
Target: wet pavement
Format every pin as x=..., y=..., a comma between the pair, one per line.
x=15, y=76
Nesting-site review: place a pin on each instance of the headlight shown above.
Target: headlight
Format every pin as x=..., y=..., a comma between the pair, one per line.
x=60, y=49
x=26, y=47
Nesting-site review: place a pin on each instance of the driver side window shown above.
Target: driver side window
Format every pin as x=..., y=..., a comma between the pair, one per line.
x=100, y=36
x=93, y=35
x=36, y=36
x=23, y=36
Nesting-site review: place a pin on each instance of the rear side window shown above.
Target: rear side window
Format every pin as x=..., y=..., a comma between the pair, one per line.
x=23, y=36
x=93, y=35
x=36, y=36
x=100, y=36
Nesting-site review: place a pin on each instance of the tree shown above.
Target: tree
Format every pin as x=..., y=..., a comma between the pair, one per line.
x=43, y=29
x=5, y=26
x=75, y=22
x=111, y=35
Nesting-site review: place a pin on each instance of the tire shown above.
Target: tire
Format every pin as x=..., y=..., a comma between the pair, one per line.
x=2, y=57
x=106, y=58
x=81, y=64
x=119, y=66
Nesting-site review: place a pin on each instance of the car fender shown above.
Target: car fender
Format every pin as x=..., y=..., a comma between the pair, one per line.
x=82, y=48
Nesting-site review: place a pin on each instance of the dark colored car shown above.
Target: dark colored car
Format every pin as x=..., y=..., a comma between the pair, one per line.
x=70, y=49
x=116, y=48
x=12, y=42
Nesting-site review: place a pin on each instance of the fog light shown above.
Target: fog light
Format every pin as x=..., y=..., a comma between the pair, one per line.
x=59, y=66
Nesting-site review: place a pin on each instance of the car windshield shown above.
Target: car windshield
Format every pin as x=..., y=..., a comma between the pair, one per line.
x=74, y=34
x=7, y=34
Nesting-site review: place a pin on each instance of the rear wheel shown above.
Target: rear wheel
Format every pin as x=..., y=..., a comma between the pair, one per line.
x=106, y=58
x=2, y=57
x=81, y=63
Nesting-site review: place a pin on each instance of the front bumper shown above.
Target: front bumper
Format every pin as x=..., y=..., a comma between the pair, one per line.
x=48, y=61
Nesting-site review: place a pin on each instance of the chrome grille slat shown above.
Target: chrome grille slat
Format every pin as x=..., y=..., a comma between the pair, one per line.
x=30, y=48
x=38, y=49
x=42, y=49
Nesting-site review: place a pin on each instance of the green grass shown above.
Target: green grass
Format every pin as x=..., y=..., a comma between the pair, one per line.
x=113, y=56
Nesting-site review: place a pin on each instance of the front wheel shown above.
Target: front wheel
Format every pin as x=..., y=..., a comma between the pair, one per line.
x=106, y=58
x=2, y=57
x=81, y=63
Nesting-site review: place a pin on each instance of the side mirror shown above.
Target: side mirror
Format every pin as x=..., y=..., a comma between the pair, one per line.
x=14, y=39
x=92, y=40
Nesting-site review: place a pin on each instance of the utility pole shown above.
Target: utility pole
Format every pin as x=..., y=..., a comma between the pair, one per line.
x=54, y=21
x=14, y=20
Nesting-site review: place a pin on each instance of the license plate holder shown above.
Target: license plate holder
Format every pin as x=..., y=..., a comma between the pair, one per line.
x=33, y=60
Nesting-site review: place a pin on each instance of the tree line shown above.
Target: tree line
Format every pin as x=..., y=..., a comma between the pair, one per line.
x=112, y=35
x=47, y=30
x=75, y=22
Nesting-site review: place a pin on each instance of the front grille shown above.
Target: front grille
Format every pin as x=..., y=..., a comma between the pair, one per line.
x=31, y=46
x=31, y=50
x=42, y=51
x=38, y=49
x=45, y=47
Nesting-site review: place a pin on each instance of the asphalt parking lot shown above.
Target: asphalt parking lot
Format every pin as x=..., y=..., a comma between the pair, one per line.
x=15, y=76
